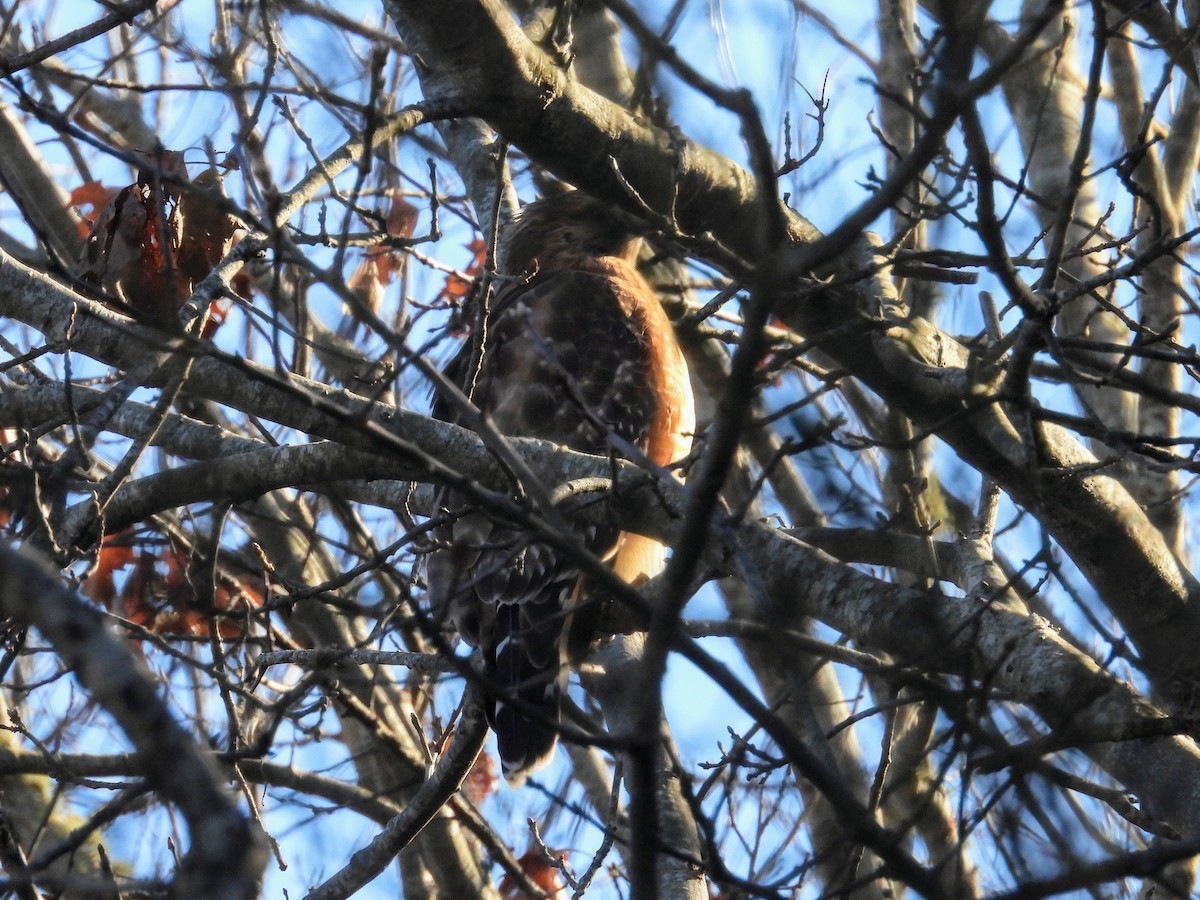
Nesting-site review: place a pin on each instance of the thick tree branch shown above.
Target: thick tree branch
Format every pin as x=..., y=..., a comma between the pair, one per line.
x=225, y=858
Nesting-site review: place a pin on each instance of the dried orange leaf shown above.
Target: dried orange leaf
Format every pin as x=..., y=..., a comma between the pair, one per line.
x=115, y=554
x=540, y=871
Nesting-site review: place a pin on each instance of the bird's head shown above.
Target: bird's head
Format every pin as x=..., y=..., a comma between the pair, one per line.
x=557, y=231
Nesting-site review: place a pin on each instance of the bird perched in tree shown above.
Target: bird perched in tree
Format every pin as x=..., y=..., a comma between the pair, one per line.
x=577, y=351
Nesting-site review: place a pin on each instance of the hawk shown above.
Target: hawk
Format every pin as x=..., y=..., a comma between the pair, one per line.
x=581, y=353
